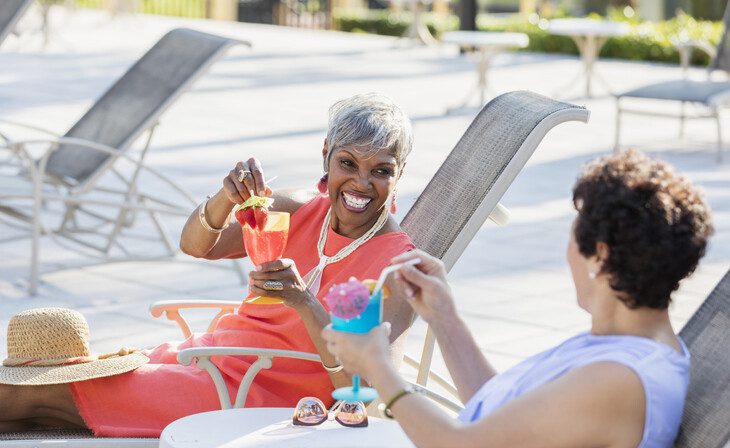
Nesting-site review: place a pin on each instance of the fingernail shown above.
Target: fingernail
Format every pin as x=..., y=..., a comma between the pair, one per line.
x=409, y=292
x=258, y=268
x=396, y=275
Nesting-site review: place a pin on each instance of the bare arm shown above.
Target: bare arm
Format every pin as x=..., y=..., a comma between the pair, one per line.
x=600, y=405
x=201, y=243
x=425, y=288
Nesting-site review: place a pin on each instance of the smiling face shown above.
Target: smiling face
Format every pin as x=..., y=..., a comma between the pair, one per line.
x=359, y=184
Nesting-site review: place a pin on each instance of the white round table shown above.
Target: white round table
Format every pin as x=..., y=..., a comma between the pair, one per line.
x=485, y=45
x=258, y=427
x=589, y=36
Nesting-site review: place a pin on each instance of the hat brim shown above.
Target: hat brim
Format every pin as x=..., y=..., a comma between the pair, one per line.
x=36, y=376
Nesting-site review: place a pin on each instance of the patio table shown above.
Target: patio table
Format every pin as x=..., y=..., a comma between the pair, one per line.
x=589, y=36
x=254, y=427
x=485, y=45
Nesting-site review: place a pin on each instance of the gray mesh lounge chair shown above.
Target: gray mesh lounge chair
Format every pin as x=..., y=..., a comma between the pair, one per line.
x=707, y=410
x=10, y=12
x=712, y=95
x=69, y=171
x=473, y=177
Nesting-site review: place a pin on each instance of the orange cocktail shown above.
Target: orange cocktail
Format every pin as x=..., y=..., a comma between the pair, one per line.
x=266, y=245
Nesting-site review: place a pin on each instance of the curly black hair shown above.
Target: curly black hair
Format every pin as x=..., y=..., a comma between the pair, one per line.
x=655, y=223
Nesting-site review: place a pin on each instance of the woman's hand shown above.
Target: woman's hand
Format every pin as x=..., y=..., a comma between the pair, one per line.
x=425, y=287
x=364, y=354
x=253, y=182
x=294, y=293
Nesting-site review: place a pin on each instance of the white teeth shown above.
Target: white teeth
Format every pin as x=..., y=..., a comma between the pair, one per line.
x=355, y=202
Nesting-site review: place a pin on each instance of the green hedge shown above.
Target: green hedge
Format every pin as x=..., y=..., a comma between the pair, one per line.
x=647, y=41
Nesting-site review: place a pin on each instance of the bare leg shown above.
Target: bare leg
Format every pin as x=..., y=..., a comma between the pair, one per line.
x=26, y=407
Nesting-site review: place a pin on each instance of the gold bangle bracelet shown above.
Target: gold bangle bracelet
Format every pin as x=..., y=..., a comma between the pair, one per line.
x=204, y=222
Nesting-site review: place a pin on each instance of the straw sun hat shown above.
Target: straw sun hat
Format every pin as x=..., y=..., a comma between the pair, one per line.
x=51, y=346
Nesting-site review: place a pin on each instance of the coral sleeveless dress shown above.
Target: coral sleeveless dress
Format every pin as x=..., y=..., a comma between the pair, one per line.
x=142, y=402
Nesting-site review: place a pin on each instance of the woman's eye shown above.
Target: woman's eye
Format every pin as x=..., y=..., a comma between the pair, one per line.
x=347, y=163
x=383, y=172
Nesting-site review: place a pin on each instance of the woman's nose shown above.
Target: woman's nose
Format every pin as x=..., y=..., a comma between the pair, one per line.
x=363, y=180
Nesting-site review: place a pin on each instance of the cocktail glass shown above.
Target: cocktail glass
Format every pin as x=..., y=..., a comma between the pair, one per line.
x=369, y=319
x=266, y=245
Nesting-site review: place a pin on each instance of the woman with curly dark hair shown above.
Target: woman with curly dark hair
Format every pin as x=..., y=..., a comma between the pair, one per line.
x=640, y=230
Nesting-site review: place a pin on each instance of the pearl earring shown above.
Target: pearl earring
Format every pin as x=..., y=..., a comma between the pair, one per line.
x=592, y=275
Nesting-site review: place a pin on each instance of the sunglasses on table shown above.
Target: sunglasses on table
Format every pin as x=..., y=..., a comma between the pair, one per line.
x=311, y=411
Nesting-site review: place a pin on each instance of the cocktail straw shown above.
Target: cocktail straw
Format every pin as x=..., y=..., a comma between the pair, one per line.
x=393, y=268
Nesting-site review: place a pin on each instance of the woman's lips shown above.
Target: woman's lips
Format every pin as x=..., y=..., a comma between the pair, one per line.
x=355, y=203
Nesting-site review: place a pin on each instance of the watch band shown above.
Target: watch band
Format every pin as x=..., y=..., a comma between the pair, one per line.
x=385, y=407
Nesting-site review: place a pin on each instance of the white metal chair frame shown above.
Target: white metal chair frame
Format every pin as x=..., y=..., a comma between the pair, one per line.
x=133, y=200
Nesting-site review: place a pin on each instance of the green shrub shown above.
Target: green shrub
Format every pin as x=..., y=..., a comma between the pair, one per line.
x=647, y=41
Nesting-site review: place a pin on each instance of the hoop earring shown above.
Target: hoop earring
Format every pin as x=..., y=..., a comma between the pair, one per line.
x=393, y=205
x=322, y=184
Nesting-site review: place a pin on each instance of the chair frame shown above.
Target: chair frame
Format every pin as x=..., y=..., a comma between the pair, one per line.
x=133, y=200
x=714, y=103
x=10, y=26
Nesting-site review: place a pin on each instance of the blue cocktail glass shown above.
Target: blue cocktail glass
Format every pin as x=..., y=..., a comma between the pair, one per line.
x=369, y=319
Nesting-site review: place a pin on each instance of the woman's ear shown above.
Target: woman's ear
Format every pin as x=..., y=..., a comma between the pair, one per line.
x=602, y=253
x=325, y=151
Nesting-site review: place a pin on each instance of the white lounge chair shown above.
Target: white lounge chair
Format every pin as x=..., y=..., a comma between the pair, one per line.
x=69, y=171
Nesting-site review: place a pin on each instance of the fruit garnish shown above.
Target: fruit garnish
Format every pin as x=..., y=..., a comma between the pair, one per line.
x=254, y=212
x=262, y=216
x=370, y=283
x=348, y=300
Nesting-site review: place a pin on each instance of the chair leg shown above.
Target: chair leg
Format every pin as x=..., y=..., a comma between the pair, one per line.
x=617, y=135
x=682, y=119
x=719, y=135
x=35, y=240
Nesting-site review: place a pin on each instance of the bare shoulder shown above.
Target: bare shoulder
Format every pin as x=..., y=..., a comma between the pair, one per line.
x=600, y=404
x=290, y=199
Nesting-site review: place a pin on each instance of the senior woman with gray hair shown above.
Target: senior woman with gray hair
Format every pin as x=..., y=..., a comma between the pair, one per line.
x=345, y=230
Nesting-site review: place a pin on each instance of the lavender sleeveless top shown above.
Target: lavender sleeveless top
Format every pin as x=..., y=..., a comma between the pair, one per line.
x=663, y=371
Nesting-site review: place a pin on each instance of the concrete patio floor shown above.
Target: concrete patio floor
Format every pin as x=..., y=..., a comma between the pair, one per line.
x=271, y=101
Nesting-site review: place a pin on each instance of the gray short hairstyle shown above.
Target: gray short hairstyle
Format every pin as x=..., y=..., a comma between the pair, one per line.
x=370, y=123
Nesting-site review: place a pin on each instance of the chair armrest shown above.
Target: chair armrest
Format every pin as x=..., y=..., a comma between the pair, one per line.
x=31, y=127
x=172, y=308
x=98, y=147
x=440, y=399
x=500, y=215
x=433, y=376
x=202, y=356
x=685, y=50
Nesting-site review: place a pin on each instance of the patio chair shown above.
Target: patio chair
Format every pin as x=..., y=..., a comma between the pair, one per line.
x=96, y=147
x=707, y=409
x=709, y=95
x=473, y=178
x=10, y=12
